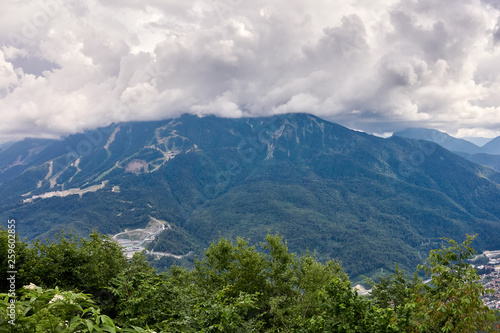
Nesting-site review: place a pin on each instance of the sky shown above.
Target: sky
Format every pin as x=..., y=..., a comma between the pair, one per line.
x=371, y=65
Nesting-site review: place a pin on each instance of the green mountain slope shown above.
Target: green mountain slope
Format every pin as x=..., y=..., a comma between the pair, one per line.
x=365, y=200
x=492, y=147
x=487, y=155
x=441, y=138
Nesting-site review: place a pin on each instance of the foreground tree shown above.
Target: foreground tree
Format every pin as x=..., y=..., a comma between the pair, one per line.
x=292, y=293
x=52, y=310
x=449, y=302
x=236, y=287
x=86, y=264
x=15, y=252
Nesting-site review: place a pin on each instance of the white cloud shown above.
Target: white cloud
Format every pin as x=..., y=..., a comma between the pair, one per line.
x=223, y=106
x=8, y=76
x=476, y=132
x=373, y=65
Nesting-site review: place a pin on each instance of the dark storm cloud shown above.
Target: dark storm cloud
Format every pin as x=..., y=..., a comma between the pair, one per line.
x=372, y=65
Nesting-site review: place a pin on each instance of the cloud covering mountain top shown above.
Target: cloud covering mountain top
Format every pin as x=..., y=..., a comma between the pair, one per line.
x=378, y=66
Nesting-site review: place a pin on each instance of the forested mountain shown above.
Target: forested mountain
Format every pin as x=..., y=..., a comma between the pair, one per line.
x=441, y=138
x=492, y=147
x=366, y=200
x=488, y=154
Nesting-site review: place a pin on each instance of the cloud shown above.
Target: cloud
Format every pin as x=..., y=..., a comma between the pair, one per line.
x=8, y=76
x=373, y=65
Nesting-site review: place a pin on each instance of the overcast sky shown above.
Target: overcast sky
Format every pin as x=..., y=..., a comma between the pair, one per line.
x=377, y=66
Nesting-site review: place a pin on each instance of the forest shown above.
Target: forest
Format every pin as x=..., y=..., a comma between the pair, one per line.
x=74, y=284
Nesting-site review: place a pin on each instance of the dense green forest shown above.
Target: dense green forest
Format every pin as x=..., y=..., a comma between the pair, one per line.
x=86, y=285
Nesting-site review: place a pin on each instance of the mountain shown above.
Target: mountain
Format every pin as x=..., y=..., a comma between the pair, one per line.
x=4, y=144
x=15, y=157
x=492, y=161
x=366, y=200
x=478, y=141
x=492, y=147
x=441, y=138
x=488, y=154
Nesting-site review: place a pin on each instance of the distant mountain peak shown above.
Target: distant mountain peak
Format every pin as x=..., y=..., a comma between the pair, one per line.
x=492, y=147
x=443, y=139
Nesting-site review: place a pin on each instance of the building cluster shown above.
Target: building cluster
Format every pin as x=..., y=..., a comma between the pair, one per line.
x=490, y=277
x=492, y=281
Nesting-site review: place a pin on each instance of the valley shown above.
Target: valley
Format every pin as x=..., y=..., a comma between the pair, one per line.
x=136, y=240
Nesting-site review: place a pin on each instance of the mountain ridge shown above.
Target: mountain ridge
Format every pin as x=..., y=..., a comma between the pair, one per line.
x=492, y=147
x=443, y=139
x=487, y=154
x=349, y=195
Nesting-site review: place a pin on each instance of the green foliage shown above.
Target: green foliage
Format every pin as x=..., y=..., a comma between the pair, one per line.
x=52, y=310
x=220, y=312
x=86, y=264
x=19, y=254
x=143, y=297
x=293, y=293
x=237, y=287
x=175, y=241
x=449, y=302
x=343, y=310
x=395, y=292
